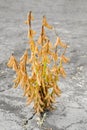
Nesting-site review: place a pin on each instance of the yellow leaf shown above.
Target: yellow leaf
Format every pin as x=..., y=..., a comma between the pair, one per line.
x=38, y=80
x=57, y=90
x=30, y=98
x=45, y=23
x=62, y=71
x=63, y=45
x=57, y=41
x=65, y=59
x=46, y=48
x=22, y=67
x=37, y=110
x=29, y=101
x=55, y=56
x=42, y=38
x=32, y=46
x=48, y=102
x=52, y=99
x=39, y=40
x=60, y=43
x=32, y=17
x=29, y=18
x=26, y=91
x=45, y=60
x=25, y=57
x=41, y=102
x=47, y=96
x=16, y=84
x=40, y=109
x=24, y=80
x=12, y=63
x=31, y=33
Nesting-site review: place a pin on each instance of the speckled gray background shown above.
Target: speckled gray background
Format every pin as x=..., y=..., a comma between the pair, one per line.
x=70, y=20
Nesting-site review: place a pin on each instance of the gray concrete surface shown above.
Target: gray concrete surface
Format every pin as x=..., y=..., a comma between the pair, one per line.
x=70, y=20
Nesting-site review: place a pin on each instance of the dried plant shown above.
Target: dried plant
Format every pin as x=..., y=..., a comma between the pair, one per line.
x=38, y=73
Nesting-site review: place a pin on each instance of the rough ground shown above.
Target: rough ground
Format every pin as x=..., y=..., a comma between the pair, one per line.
x=70, y=20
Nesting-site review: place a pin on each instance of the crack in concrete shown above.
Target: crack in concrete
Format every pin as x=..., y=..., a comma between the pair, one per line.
x=82, y=107
x=12, y=98
x=79, y=122
x=11, y=109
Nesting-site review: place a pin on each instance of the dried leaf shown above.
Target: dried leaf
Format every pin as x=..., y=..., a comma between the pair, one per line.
x=39, y=79
x=29, y=101
x=62, y=71
x=22, y=67
x=12, y=63
x=57, y=90
x=29, y=18
x=64, y=59
x=57, y=41
x=60, y=43
x=25, y=57
x=45, y=23
x=52, y=99
x=54, y=56
x=31, y=33
x=26, y=91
